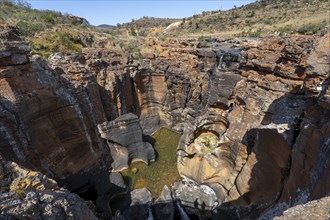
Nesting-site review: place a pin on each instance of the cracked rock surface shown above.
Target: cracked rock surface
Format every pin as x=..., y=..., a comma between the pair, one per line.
x=254, y=117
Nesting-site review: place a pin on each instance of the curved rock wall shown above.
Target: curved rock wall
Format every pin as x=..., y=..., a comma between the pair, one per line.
x=49, y=117
x=279, y=117
x=265, y=101
x=48, y=122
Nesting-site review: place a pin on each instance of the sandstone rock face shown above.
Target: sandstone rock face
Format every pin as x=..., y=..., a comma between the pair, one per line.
x=13, y=50
x=316, y=209
x=273, y=133
x=47, y=121
x=163, y=207
x=157, y=89
x=32, y=195
x=140, y=205
x=124, y=136
x=254, y=116
x=49, y=117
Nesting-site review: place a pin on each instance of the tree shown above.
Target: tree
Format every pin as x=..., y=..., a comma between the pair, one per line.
x=133, y=32
x=22, y=3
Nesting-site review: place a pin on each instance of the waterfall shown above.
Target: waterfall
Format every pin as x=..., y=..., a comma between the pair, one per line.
x=182, y=212
x=150, y=216
x=220, y=61
x=228, y=59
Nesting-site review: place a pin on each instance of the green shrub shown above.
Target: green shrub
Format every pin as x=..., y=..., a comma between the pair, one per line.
x=49, y=18
x=137, y=55
x=65, y=41
x=207, y=142
x=235, y=15
x=250, y=14
x=268, y=21
x=28, y=28
x=133, y=32
x=203, y=42
x=309, y=28
x=256, y=33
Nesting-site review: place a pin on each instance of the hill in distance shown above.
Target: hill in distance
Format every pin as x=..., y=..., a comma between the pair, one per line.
x=105, y=26
x=51, y=31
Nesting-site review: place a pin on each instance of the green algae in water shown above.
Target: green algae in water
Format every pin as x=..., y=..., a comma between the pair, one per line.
x=159, y=173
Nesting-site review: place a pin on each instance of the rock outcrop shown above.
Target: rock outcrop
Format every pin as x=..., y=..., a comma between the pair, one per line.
x=13, y=50
x=258, y=157
x=49, y=117
x=254, y=116
x=163, y=207
x=316, y=209
x=124, y=137
x=198, y=200
x=31, y=195
x=140, y=205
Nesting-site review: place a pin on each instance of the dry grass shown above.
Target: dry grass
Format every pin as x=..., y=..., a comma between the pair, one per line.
x=260, y=18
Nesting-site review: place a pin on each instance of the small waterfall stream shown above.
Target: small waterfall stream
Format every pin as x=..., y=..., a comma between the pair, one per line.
x=182, y=212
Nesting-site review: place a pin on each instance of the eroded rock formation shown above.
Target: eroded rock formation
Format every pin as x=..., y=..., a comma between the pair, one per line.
x=48, y=120
x=316, y=209
x=31, y=195
x=271, y=129
x=254, y=116
x=124, y=138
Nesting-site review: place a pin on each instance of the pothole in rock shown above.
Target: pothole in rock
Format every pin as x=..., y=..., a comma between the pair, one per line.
x=159, y=173
x=205, y=143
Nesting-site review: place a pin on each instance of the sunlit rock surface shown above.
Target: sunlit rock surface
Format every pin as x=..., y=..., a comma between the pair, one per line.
x=254, y=116
x=32, y=195
x=124, y=137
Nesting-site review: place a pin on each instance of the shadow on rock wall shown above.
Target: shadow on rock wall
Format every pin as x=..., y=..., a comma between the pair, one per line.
x=288, y=158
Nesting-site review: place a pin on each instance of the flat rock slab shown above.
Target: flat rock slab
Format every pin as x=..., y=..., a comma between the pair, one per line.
x=124, y=130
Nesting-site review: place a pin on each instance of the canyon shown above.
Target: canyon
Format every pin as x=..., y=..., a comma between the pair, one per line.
x=253, y=114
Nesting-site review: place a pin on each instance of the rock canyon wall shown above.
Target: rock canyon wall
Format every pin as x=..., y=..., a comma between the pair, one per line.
x=254, y=116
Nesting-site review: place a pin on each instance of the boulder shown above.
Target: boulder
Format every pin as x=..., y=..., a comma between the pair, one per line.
x=198, y=200
x=120, y=157
x=124, y=137
x=142, y=151
x=35, y=196
x=124, y=130
x=140, y=205
x=13, y=51
x=163, y=207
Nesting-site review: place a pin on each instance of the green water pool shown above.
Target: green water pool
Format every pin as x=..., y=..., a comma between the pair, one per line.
x=159, y=173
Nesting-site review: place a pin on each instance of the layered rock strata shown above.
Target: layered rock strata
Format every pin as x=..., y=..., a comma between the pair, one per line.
x=272, y=134
x=31, y=195
x=254, y=116
x=124, y=138
x=140, y=205
x=316, y=209
x=48, y=120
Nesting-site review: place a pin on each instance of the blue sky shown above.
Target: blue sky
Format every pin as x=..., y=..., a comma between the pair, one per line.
x=116, y=11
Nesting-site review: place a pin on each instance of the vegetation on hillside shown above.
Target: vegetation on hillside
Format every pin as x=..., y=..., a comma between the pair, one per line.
x=31, y=21
x=65, y=41
x=261, y=18
x=256, y=19
x=51, y=31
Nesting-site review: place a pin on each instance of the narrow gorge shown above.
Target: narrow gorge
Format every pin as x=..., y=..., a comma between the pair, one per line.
x=253, y=116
